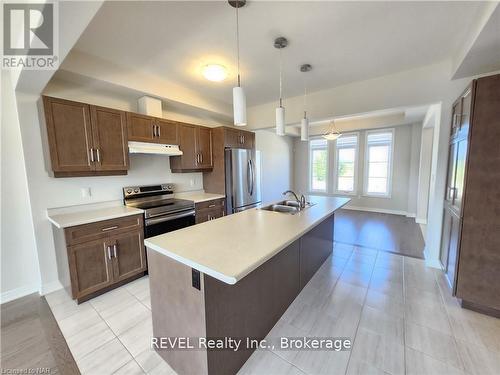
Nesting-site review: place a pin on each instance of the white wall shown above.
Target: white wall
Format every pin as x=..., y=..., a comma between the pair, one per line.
x=402, y=165
x=416, y=135
x=277, y=162
x=424, y=175
x=19, y=262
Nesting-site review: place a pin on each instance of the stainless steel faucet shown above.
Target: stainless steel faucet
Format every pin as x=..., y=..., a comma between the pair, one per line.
x=301, y=201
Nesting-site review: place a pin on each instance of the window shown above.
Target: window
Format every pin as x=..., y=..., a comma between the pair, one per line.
x=318, y=159
x=346, y=163
x=378, y=163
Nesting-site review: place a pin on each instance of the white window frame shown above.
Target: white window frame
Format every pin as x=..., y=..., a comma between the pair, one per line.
x=335, y=166
x=309, y=166
x=390, y=166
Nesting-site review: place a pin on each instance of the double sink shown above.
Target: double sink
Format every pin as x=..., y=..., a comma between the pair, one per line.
x=287, y=207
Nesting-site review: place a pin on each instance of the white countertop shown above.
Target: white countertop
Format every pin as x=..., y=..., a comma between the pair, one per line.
x=231, y=247
x=79, y=216
x=198, y=196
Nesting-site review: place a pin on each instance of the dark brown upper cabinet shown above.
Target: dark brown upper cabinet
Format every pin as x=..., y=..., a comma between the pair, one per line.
x=236, y=138
x=196, y=144
x=142, y=128
x=85, y=140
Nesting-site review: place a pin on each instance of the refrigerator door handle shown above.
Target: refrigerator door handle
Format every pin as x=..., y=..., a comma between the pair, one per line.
x=252, y=173
x=249, y=173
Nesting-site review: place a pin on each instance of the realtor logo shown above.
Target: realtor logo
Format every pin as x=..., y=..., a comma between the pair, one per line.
x=29, y=36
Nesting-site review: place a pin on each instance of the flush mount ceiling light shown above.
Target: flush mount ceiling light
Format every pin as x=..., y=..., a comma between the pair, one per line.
x=332, y=134
x=280, y=43
x=239, y=99
x=214, y=72
x=304, y=123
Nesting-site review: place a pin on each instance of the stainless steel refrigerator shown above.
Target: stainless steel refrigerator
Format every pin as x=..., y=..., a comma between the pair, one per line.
x=242, y=179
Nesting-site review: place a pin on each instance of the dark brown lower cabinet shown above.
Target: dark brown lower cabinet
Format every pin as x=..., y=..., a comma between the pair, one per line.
x=209, y=210
x=449, y=244
x=104, y=254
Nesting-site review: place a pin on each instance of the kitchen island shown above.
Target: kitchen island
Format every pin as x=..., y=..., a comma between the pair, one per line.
x=233, y=277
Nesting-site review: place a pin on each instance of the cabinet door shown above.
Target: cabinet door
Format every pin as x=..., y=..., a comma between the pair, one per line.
x=454, y=243
x=466, y=110
x=90, y=267
x=208, y=214
x=140, y=128
x=456, y=113
x=450, y=179
x=109, y=127
x=129, y=257
x=187, y=144
x=166, y=132
x=248, y=139
x=69, y=134
x=461, y=164
x=204, y=147
x=232, y=138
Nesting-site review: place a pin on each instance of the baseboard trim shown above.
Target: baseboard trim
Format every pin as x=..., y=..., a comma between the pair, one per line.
x=434, y=263
x=378, y=210
x=420, y=221
x=13, y=294
x=412, y=215
x=50, y=287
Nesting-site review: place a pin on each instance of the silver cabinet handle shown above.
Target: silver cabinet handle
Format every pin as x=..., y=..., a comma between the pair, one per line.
x=98, y=151
x=114, y=250
x=109, y=252
x=212, y=205
x=209, y=218
x=158, y=131
x=197, y=158
x=92, y=155
x=154, y=131
x=243, y=141
x=201, y=157
x=109, y=228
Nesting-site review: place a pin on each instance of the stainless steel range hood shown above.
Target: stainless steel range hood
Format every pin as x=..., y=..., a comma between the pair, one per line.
x=153, y=148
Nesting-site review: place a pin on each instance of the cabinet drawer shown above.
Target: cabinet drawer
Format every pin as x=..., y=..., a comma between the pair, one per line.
x=208, y=214
x=210, y=204
x=101, y=229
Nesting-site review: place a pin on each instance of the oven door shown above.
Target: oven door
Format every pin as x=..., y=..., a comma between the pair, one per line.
x=167, y=223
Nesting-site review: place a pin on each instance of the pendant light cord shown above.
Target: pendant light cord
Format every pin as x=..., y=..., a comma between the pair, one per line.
x=238, y=41
x=305, y=97
x=281, y=80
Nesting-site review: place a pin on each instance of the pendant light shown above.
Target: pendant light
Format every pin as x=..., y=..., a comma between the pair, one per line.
x=280, y=43
x=333, y=133
x=239, y=99
x=304, y=123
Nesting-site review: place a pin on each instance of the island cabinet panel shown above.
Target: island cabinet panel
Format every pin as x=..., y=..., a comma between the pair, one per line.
x=214, y=309
x=315, y=247
x=85, y=140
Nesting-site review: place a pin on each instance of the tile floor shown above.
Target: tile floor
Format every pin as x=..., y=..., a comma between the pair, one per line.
x=399, y=313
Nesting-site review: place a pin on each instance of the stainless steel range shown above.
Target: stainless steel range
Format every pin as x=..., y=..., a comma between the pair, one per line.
x=162, y=212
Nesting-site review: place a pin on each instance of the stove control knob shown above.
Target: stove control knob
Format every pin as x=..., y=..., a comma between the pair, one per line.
x=129, y=191
x=136, y=190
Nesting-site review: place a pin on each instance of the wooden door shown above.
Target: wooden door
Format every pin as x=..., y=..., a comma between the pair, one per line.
x=187, y=144
x=166, y=132
x=453, y=246
x=109, y=128
x=450, y=179
x=461, y=165
x=232, y=138
x=248, y=139
x=140, y=128
x=90, y=267
x=129, y=257
x=69, y=134
x=456, y=113
x=204, y=147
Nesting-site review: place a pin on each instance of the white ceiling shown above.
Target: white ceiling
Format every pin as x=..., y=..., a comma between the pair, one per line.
x=343, y=41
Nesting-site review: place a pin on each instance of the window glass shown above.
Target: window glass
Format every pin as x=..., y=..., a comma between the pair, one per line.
x=378, y=163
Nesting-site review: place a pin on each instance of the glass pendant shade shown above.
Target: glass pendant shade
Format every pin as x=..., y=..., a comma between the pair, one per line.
x=239, y=106
x=280, y=121
x=304, y=129
x=331, y=136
